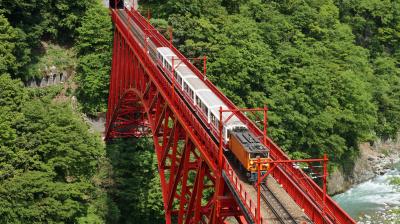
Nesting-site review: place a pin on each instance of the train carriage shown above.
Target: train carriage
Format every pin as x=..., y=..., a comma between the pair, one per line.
x=246, y=148
x=207, y=99
x=165, y=55
x=239, y=141
x=182, y=72
x=192, y=86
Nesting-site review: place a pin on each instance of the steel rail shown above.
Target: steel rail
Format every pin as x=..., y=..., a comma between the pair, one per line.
x=279, y=210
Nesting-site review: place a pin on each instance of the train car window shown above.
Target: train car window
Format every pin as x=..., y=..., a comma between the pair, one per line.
x=254, y=155
x=203, y=108
x=198, y=100
x=191, y=94
x=185, y=86
x=180, y=80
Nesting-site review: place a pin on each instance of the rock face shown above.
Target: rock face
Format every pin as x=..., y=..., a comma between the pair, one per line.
x=373, y=161
x=336, y=182
x=52, y=77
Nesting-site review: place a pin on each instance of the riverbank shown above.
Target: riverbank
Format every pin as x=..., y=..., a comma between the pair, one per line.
x=373, y=161
x=373, y=201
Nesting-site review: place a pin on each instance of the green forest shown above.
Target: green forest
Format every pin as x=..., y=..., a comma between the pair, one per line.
x=329, y=71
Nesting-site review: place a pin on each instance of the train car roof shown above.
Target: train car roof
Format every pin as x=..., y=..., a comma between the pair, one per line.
x=233, y=121
x=168, y=54
x=210, y=99
x=185, y=71
x=249, y=141
x=196, y=84
x=165, y=51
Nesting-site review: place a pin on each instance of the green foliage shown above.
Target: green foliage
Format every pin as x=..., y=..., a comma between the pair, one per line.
x=136, y=190
x=12, y=93
x=54, y=55
x=395, y=181
x=296, y=57
x=34, y=21
x=48, y=158
x=8, y=36
x=376, y=25
x=94, y=66
x=50, y=18
x=34, y=197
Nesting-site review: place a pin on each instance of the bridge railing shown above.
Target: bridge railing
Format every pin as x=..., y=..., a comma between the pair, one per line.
x=244, y=196
x=203, y=139
x=301, y=188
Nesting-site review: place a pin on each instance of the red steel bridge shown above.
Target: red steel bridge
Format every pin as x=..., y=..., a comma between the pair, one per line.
x=198, y=182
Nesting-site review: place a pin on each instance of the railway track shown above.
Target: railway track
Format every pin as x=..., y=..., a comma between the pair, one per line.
x=281, y=213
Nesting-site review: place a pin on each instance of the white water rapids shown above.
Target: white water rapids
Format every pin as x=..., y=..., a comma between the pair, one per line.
x=373, y=201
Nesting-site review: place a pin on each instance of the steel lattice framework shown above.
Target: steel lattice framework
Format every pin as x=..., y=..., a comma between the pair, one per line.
x=198, y=184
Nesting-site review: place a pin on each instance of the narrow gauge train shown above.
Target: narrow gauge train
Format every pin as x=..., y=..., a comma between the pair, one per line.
x=241, y=143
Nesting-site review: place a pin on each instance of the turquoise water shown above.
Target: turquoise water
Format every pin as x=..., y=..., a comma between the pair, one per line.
x=373, y=201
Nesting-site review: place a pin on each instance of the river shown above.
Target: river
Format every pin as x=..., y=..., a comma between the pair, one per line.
x=373, y=201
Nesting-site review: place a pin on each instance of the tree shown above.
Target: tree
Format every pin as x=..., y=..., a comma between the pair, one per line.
x=8, y=36
x=94, y=51
x=48, y=158
x=34, y=21
x=376, y=25
x=137, y=190
x=297, y=57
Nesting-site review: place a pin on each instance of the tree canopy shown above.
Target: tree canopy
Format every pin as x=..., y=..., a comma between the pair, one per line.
x=327, y=69
x=94, y=44
x=48, y=158
x=301, y=59
x=37, y=20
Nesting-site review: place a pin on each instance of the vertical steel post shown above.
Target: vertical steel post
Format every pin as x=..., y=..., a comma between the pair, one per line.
x=265, y=124
x=220, y=139
x=219, y=183
x=324, y=184
x=173, y=78
x=111, y=82
x=205, y=67
x=258, y=215
x=170, y=36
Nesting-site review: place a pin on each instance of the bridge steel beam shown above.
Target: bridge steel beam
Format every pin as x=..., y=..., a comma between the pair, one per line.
x=141, y=103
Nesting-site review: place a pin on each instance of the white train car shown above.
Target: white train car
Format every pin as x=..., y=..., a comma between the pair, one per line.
x=166, y=56
x=192, y=86
x=206, y=104
x=183, y=72
x=211, y=104
x=198, y=92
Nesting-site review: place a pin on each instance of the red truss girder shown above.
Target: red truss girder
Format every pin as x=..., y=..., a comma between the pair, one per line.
x=140, y=105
